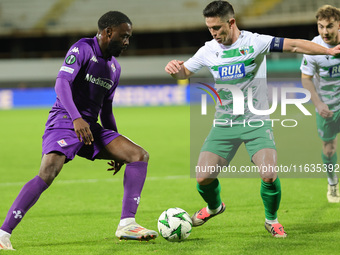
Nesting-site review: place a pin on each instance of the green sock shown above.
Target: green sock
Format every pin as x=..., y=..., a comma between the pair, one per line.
x=211, y=194
x=271, y=197
x=332, y=177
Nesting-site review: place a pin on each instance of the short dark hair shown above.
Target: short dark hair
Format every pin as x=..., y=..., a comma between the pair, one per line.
x=221, y=9
x=112, y=18
x=327, y=12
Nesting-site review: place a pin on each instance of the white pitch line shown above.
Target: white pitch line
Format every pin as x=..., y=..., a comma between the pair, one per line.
x=63, y=182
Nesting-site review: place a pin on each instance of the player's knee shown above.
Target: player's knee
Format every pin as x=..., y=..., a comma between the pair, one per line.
x=329, y=154
x=269, y=180
x=204, y=181
x=48, y=173
x=140, y=155
x=144, y=156
x=268, y=174
x=329, y=148
x=329, y=151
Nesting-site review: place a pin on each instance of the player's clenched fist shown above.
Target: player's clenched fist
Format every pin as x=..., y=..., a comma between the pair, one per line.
x=334, y=51
x=174, y=66
x=324, y=111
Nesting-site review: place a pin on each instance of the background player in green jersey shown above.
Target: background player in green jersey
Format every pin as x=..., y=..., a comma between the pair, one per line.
x=325, y=92
x=232, y=49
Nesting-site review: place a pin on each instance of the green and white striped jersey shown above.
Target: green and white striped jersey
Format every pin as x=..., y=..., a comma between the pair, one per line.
x=326, y=72
x=242, y=64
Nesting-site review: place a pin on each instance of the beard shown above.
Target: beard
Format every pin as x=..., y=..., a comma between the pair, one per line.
x=115, y=48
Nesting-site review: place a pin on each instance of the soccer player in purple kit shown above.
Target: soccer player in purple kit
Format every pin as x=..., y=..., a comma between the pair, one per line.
x=85, y=87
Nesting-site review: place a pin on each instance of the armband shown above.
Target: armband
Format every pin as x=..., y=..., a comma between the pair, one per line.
x=277, y=44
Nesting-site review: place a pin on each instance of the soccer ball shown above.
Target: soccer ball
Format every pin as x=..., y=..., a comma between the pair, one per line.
x=174, y=224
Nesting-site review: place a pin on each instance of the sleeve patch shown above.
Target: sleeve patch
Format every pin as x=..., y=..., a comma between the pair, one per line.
x=67, y=69
x=71, y=59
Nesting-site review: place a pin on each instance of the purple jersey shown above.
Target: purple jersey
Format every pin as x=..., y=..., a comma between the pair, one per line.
x=92, y=78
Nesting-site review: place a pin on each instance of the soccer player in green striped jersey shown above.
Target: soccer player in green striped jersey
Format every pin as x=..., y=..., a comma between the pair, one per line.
x=238, y=58
x=321, y=76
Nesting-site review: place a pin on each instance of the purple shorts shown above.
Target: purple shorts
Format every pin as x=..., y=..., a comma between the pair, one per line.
x=63, y=139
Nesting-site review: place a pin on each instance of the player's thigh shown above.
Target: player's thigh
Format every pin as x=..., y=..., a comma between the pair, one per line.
x=123, y=150
x=61, y=140
x=223, y=141
x=208, y=166
x=256, y=139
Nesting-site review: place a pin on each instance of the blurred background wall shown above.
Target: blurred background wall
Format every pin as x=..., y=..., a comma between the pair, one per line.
x=36, y=34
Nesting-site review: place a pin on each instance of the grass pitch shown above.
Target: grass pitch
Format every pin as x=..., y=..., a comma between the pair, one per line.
x=79, y=213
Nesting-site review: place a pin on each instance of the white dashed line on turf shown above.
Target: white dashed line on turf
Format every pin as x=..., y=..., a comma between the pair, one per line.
x=66, y=182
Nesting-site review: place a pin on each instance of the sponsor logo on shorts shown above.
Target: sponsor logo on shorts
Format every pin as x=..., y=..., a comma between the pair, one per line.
x=67, y=69
x=62, y=143
x=71, y=59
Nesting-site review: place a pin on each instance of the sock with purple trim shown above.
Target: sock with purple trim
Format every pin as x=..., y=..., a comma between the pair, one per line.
x=134, y=178
x=27, y=197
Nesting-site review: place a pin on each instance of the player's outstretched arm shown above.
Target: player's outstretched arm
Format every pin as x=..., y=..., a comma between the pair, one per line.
x=307, y=83
x=177, y=70
x=308, y=47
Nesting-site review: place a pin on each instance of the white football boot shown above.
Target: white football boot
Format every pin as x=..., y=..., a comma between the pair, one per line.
x=333, y=195
x=134, y=231
x=5, y=243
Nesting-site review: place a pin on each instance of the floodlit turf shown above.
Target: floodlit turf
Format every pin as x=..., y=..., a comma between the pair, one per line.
x=80, y=212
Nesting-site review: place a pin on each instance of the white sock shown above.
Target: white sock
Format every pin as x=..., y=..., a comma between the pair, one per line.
x=214, y=211
x=333, y=181
x=4, y=233
x=272, y=221
x=126, y=221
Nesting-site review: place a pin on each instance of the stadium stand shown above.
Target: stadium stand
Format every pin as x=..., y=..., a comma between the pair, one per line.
x=21, y=16
x=80, y=16
x=37, y=29
x=287, y=12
